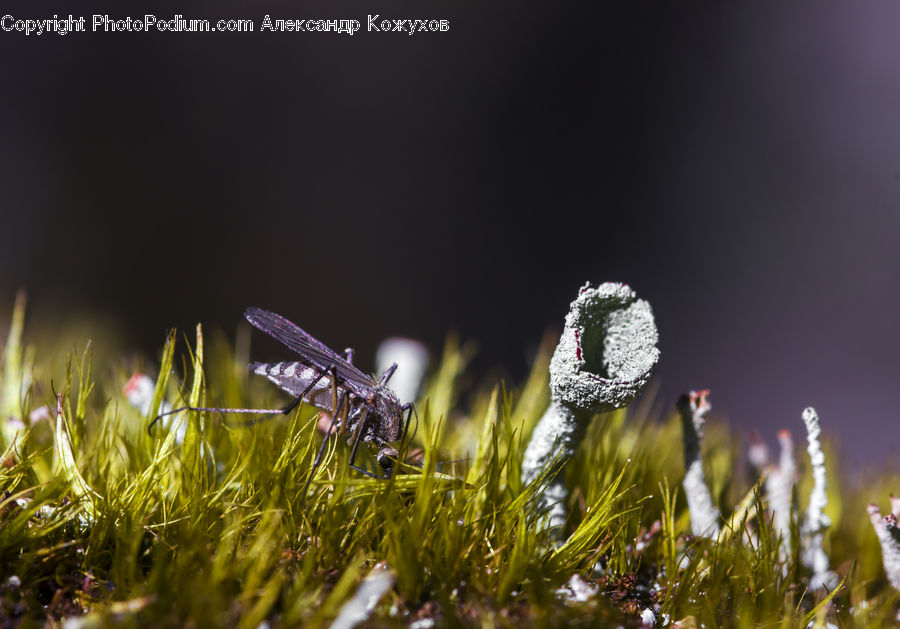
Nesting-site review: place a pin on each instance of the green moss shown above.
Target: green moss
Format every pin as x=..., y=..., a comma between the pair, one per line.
x=216, y=532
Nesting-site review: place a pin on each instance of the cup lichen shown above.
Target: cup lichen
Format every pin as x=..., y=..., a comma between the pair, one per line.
x=604, y=359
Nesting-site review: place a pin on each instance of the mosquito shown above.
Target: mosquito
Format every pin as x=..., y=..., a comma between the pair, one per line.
x=363, y=410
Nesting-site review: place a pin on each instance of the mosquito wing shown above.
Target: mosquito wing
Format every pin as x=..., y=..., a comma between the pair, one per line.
x=310, y=349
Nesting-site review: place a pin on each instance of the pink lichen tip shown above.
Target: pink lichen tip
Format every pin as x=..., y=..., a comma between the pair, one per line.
x=786, y=461
x=881, y=522
x=139, y=390
x=133, y=382
x=693, y=408
x=695, y=403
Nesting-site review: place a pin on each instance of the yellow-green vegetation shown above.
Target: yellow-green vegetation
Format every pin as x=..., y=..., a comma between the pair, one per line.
x=102, y=521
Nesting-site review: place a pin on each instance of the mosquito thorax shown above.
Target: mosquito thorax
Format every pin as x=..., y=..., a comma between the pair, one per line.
x=388, y=407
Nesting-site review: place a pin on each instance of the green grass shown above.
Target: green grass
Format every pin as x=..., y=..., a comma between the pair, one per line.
x=215, y=532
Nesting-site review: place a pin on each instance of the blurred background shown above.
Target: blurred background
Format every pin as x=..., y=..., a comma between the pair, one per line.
x=739, y=167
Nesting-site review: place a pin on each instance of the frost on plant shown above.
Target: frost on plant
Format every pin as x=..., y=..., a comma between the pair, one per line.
x=889, y=537
x=604, y=359
x=693, y=408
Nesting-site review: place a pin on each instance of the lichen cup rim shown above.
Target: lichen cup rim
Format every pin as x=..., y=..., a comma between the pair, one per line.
x=613, y=314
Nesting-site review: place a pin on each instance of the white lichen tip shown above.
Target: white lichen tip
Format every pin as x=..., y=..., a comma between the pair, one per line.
x=607, y=351
x=693, y=408
x=813, y=555
x=360, y=606
x=577, y=590
x=648, y=618
x=889, y=537
x=779, y=489
x=139, y=390
x=818, y=499
x=757, y=453
x=411, y=358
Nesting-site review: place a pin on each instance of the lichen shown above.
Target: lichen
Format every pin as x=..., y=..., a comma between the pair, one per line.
x=779, y=490
x=889, y=537
x=412, y=358
x=813, y=555
x=607, y=351
x=604, y=359
x=693, y=408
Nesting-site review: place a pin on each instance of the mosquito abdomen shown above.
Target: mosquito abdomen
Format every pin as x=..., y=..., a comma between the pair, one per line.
x=294, y=377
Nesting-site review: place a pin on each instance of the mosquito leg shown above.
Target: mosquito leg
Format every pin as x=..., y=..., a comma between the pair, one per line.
x=335, y=407
x=257, y=411
x=366, y=472
x=357, y=436
x=387, y=375
x=416, y=429
x=409, y=407
x=334, y=417
x=250, y=411
x=287, y=409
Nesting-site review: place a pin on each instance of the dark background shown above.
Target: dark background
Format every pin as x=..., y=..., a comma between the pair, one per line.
x=739, y=167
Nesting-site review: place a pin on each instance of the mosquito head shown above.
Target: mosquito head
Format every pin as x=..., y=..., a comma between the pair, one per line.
x=386, y=458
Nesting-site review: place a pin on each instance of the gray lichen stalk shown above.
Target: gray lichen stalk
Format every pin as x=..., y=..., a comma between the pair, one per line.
x=889, y=537
x=814, y=556
x=604, y=359
x=693, y=408
x=779, y=490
